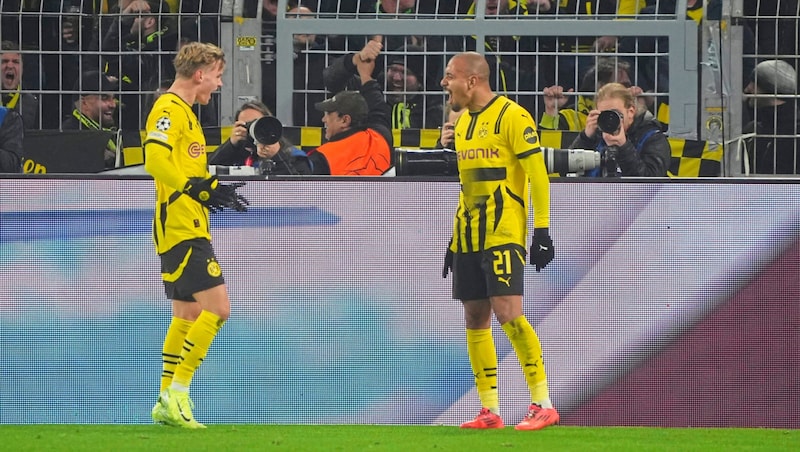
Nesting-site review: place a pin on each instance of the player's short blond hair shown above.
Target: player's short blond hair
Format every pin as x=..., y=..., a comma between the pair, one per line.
x=196, y=55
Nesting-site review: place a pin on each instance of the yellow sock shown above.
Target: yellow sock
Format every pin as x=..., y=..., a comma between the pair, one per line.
x=529, y=352
x=483, y=359
x=195, y=347
x=171, y=351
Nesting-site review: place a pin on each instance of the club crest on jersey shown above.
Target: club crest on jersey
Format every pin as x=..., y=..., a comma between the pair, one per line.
x=483, y=132
x=530, y=136
x=196, y=150
x=163, y=123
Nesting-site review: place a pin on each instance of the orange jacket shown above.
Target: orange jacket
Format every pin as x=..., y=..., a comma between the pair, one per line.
x=364, y=153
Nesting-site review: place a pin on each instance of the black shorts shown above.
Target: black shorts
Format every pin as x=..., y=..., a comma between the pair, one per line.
x=493, y=272
x=190, y=267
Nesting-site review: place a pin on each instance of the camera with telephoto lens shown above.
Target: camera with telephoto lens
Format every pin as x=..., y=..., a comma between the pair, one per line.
x=444, y=162
x=566, y=161
x=264, y=130
x=609, y=121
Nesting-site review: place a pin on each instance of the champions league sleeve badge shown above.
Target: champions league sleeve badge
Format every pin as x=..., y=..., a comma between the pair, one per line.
x=163, y=123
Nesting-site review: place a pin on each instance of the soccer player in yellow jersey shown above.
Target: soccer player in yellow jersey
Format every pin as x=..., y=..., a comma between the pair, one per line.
x=185, y=192
x=498, y=153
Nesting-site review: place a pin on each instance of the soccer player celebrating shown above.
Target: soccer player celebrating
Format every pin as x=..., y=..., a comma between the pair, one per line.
x=498, y=151
x=185, y=192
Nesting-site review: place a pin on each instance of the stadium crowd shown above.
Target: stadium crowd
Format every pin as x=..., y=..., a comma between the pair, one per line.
x=49, y=47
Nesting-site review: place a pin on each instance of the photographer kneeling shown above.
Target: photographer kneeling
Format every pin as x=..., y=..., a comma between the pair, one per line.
x=627, y=136
x=279, y=158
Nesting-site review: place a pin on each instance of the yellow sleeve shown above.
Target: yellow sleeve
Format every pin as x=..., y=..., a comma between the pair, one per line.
x=158, y=164
x=524, y=136
x=534, y=166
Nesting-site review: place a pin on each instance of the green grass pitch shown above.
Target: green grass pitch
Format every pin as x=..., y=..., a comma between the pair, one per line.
x=389, y=438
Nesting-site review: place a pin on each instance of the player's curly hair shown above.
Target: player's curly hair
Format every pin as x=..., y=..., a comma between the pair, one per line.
x=196, y=55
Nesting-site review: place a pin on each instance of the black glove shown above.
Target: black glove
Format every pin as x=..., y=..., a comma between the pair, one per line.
x=216, y=198
x=448, y=263
x=542, y=250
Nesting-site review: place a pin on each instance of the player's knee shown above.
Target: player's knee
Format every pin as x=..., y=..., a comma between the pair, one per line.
x=223, y=312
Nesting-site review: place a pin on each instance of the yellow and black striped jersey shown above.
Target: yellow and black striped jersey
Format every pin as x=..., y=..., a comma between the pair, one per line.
x=498, y=153
x=175, y=150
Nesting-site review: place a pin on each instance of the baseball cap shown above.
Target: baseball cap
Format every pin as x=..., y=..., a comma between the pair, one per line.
x=411, y=58
x=95, y=82
x=776, y=77
x=346, y=103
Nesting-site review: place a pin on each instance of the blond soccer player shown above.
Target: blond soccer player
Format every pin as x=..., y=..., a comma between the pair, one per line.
x=185, y=193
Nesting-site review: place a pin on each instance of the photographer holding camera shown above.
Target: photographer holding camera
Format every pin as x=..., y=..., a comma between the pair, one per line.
x=280, y=157
x=626, y=135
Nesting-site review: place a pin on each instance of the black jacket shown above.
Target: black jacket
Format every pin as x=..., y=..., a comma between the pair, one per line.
x=27, y=106
x=776, y=147
x=72, y=122
x=11, y=135
x=288, y=161
x=141, y=65
x=308, y=86
x=646, y=153
x=425, y=112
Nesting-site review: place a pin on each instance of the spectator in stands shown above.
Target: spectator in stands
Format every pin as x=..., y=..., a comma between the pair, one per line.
x=269, y=8
x=653, y=72
x=199, y=20
x=575, y=52
x=309, y=62
x=11, y=94
x=280, y=158
x=775, y=25
x=378, y=9
x=78, y=28
x=357, y=125
x=269, y=65
x=94, y=108
x=556, y=117
x=22, y=22
x=511, y=58
x=404, y=79
x=398, y=9
x=138, y=50
x=631, y=144
x=11, y=135
x=78, y=25
x=771, y=95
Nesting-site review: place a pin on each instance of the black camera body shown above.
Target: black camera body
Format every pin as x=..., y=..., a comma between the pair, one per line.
x=420, y=162
x=609, y=121
x=264, y=130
